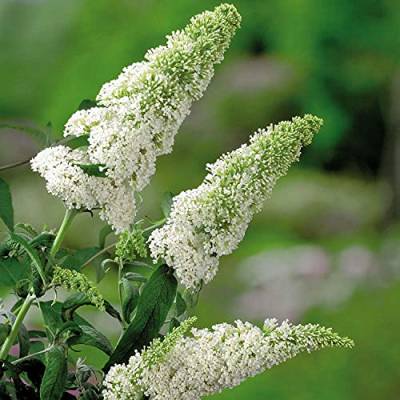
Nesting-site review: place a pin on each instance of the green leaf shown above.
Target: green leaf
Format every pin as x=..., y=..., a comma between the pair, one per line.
x=79, y=258
x=85, y=104
x=43, y=239
x=68, y=329
x=6, y=207
x=112, y=311
x=77, y=141
x=34, y=368
x=135, y=277
x=130, y=297
x=154, y=303
x=4, y=395
x=55, y=375
x=51, y=317
x=27, y=228
x=180, y=304
x=12, y=271
x=72, y=303
x=191, y=298
x=166, y=204
x=174, y=323
x=35, y=334
x=4, y=331
x=98, y=170
x=90, y=336
x=31, y=253
x=101, y=267
x=24, y=341
x=104, y=232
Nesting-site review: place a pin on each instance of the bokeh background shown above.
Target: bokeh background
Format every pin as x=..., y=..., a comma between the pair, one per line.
x=326, y=248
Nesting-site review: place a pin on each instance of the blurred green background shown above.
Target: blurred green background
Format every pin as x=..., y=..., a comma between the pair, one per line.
x=326, y=248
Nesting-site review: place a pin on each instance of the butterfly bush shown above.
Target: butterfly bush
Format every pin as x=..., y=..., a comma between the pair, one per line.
x=106, y=158
x=210, y=221
x=136, y=120
x=212, y=360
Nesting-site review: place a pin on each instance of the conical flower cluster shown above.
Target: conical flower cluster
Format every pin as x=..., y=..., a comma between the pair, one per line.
x=216, y=359
x=138, y=116
x=210, y=221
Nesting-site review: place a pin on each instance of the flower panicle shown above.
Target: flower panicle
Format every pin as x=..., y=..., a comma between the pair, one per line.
x=210, y=221
x=212, y=360
x=136, y=119
x=76, y=281
x=131, y=244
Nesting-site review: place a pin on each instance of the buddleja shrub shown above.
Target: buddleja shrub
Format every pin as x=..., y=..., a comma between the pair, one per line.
x=106, y=158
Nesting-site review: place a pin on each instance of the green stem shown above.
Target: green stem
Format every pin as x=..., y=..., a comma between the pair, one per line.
x=13, y=165
x=154, y=226
x=8, y=343
x=68, y=217
x=33, y=355
x=120, y=268
x=109, y=247
x=102, y=251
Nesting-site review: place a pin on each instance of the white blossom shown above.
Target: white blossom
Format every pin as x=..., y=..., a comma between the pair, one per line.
x=139, y=114
x=211, y=220
x=216, y=359
x=65, y=179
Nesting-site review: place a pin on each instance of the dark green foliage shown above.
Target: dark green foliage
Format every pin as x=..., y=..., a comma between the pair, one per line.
x=79, y=258
x=75, y=329
x=104, y=232
x=77, y=142
x=91, y=337
x=12, y=271
x=31, y=252
x=55, y=376
x=72, y=303
x=4, y=331
x=4, y=395
x=130, y=297
x=155, y=301
x=24, y=392
x=34, y=369
x=86, y=104
x=24, y=341
x=166, y=204
x=180, y=304
x=94, y=169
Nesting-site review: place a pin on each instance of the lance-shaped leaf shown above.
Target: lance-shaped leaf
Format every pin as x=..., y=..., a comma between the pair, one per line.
x=87, y=335
x=77, y=142
x=75, y=261
x=55, y=375
x=130, y=297
x=154, y=303
x=90, y=336
x=12, y=271
x=33, y=255
x=98, y=170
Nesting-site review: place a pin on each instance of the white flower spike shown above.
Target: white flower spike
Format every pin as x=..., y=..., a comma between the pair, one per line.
x=210, y=221
x=138, y=116
x=216, y=359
